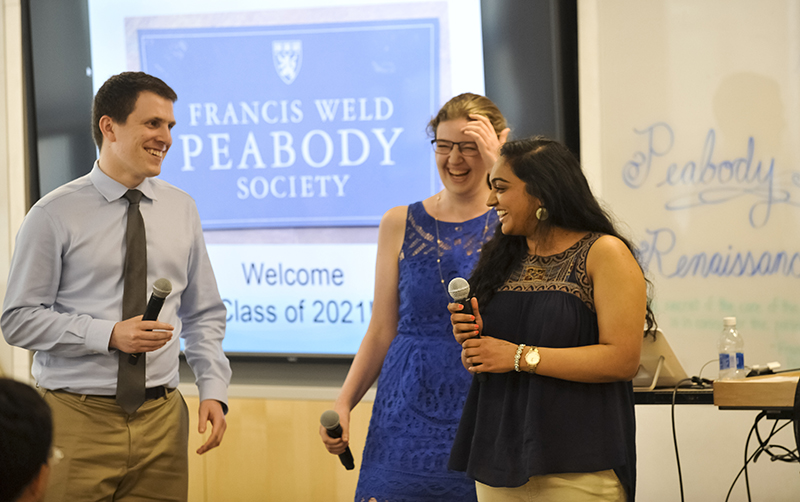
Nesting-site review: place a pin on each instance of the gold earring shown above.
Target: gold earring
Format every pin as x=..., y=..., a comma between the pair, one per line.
x=542, y=214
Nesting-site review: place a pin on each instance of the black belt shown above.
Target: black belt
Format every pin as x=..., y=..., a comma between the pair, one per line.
x=149, y=394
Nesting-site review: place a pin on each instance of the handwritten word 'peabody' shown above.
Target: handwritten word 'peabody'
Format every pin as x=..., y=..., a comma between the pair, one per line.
x=717, y=183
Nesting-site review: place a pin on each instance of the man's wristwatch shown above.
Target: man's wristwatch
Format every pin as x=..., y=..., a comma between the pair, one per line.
x=532, y=359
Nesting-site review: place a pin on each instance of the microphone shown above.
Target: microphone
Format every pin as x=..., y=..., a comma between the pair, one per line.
x=161, y=289
x=459, y=290
x=330, y=420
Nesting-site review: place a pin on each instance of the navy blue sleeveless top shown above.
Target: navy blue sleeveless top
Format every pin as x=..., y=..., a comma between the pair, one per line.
x=518, y=425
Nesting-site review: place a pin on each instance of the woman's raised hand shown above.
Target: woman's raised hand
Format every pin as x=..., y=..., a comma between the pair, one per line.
x=488, y=141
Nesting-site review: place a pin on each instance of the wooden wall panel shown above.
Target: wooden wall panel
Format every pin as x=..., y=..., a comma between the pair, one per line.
x=272, y=451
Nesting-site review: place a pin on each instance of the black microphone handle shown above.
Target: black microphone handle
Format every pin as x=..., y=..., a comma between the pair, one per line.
x=153, y=308
x=347, y=457
x=467, y=303
x=150, y=314
x=482, y=377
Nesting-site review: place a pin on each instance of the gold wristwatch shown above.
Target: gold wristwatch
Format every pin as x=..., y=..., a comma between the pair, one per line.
x=532, y=359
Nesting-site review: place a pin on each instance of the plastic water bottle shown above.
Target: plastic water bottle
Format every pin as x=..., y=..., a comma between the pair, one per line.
x=731, y=351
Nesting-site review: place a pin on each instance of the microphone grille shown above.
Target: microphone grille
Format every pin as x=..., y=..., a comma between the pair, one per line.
x=458, y=289
x=329, y=419
x=162, y=288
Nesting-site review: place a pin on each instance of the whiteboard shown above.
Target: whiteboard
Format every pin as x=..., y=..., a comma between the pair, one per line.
x=690, y=131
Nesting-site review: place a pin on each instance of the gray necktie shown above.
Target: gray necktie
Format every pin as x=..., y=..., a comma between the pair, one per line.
x=131, y=375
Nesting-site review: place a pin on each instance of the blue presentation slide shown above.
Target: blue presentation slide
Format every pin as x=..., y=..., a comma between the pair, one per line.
x=264, y=144
x=298, y=126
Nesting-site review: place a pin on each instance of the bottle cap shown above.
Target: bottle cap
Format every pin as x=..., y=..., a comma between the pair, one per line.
x=729, y=321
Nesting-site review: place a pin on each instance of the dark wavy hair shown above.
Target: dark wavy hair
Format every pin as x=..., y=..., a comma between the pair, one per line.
x=118, y=95
x=26, y=434
x=553, y=175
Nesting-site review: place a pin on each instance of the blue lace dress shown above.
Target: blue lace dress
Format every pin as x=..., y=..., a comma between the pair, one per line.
x=422, y=385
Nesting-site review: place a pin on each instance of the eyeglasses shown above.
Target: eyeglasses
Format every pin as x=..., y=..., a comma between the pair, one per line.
x=467, y=148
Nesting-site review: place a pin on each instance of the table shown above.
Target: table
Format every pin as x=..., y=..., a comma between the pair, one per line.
x=689, y=395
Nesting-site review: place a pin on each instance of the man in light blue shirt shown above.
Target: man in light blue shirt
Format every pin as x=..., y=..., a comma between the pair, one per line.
x=64, y=301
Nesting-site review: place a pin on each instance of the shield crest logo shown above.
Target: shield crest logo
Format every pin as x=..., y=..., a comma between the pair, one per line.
x=287, y=55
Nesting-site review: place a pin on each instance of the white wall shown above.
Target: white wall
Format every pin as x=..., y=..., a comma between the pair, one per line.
x=696, y=66
x=13, y=361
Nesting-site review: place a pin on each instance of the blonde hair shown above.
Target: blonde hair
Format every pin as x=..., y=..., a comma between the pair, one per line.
x=465, y=104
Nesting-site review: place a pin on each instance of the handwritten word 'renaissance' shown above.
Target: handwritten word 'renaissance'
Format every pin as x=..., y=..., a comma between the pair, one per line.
x=657, y=255
x=714, y=182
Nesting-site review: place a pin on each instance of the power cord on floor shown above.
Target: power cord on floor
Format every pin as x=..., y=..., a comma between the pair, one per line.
x=700, y=383
x=786, y=454
x=675, y=435
x=763, y=447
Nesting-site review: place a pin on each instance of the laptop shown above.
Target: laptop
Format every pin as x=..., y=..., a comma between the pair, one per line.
x=658, y=366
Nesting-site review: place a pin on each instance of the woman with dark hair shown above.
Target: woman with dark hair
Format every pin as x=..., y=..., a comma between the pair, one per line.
x=422, y=386
x=560, y=306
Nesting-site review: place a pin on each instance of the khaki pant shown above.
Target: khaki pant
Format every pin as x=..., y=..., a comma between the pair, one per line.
x=111, y=456
x=569, y=487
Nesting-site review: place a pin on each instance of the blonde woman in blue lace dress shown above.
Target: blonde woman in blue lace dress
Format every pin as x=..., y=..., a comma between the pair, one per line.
x=422, y=386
